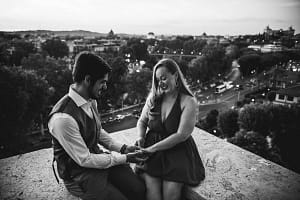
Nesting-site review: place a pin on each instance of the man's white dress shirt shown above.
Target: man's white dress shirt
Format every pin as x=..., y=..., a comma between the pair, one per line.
x=65, y=129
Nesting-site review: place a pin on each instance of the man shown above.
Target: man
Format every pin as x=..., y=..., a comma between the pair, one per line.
x=87, y=170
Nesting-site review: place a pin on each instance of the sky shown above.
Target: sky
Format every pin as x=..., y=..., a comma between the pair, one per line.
x=175, y=17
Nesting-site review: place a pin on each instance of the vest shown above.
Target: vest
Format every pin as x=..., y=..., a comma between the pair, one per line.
x=66, y=166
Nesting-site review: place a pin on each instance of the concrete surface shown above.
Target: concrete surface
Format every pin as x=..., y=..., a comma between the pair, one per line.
x=231, y=173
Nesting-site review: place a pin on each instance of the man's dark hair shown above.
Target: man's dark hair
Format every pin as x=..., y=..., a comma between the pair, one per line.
x=87, y=63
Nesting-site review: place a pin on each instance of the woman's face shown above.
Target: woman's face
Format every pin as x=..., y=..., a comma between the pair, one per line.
x=166, y=80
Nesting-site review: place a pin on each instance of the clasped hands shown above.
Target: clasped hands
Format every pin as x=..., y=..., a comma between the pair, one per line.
x=137, y=154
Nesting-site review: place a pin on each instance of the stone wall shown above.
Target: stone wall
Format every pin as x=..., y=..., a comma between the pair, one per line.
x=231, y=173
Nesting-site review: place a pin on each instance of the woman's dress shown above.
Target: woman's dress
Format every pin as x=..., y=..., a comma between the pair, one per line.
x=180, y=163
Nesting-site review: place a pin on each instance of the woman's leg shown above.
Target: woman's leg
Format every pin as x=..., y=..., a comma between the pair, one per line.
x=153, y=187
x=124, y=179
x=172, y=190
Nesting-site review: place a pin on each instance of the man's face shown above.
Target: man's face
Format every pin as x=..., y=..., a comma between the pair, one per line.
x=99, y=86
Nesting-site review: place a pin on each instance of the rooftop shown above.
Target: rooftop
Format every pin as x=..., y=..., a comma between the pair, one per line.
x=292, y=91
x=231, y=173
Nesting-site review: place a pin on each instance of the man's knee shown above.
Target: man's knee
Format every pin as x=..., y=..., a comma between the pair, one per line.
x=139, y=190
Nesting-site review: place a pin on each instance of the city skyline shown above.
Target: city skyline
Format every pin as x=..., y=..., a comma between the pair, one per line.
x=193, y=17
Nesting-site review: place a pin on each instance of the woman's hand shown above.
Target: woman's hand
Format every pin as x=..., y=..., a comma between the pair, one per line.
x=149, y=150
x=140, y=142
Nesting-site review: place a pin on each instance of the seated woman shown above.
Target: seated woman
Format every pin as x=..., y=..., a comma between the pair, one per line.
x=169, y=115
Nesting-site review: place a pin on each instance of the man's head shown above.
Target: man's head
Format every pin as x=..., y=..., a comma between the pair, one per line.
x=91, y=71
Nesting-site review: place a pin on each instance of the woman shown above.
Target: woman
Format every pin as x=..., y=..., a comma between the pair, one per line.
x=169, y=115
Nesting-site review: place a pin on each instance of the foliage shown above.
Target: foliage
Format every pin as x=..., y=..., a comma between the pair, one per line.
x=271, y=95
x=251, y=141
x=280, y=123
x=150, y=62
x=116, y=83
x=255, y=118
x=24, y=96
x=285, y=131
x=228, y=122
x=248, y=63
x=216, y=60
x=12, y=52
x=138, y=49
x=55, y=48
x=139, y=84
x=55, y=71
x=200, y=70
x=209, y=123
x=232, y=51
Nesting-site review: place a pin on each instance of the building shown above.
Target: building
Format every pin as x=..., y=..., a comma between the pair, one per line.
x=255, y=47
x=284, y=79
x=267, y=48
x=270, y=33
x=288, y=96
x=150, y=35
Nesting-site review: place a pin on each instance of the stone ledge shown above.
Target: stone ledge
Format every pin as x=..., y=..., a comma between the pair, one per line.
x=231, y=173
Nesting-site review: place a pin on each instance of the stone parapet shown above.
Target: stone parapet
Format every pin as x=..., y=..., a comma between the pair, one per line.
x=231, y=173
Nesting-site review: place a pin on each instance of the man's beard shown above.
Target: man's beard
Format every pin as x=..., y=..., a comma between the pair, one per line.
x=90, y=92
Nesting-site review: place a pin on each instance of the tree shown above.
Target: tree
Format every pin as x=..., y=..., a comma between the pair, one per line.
x=215, y=55
x=24, y=96
x=175, y=45
x=188, y=46
x=126, y=52
x=285, y=131
x=271, y=95
x=254, y=118
x=228, y=122
x=4, y=53
x=116, y=83
x=183, y=67
x=248, y=63
x=267, y=61
x=210, y=122
x=200, y=70
x=232, y=51
x=150, y=62
x=12, y=52
x=55, y=48
x=55, y=71
x=139, y=84
x=139, y=48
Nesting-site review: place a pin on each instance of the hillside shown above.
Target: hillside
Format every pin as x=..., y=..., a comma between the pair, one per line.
x=61, y=33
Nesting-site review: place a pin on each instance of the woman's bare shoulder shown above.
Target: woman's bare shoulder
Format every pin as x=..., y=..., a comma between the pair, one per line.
x=188, y=100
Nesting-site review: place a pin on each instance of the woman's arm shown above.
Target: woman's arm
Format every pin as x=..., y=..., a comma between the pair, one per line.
x=142, y=124
x=185, y=129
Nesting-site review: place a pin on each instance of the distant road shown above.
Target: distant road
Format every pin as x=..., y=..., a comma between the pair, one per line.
x=222, y=101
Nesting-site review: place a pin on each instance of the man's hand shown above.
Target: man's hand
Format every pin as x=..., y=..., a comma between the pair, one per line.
x=130, y=149
x=136, y=157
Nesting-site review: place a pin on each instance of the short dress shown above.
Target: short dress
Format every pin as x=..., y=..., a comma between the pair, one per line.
x=181, y=163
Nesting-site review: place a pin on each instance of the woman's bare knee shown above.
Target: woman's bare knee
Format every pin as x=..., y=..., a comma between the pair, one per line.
x=153, y=185
x=172, y=190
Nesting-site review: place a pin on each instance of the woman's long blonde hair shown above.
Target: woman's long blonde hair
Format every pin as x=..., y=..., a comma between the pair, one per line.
x=172, y=67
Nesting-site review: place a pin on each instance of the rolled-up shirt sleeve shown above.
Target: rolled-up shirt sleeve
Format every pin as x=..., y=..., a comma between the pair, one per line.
x=108, y=142
x=65, y=129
